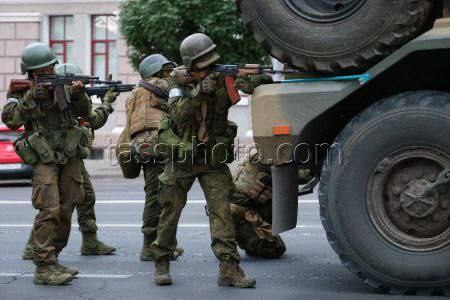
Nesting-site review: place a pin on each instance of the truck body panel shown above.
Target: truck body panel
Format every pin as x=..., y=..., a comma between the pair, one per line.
x=307, y=107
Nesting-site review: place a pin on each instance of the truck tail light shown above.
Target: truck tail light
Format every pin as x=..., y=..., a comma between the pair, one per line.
x=281, y=130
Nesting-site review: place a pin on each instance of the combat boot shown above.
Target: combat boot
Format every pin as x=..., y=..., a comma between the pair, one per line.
x=28, y=252
x=146, y=253
x=177, y=253
x=92, y=246
x=162, y=272
x=50, y=275
x=66, y=269
x=231, y=274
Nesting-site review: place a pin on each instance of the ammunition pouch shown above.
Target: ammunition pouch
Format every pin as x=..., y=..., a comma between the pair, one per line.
x=143, y=146
x=39, y=144
x=169, y=143
x=83, y=152
x=25, y=152
x=129, y=166
x=222, y=150
x=84, y=148
x=86, y=137
x=73, y=140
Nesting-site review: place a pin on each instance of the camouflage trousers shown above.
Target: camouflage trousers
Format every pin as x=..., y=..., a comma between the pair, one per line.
x=253, y=221
x=152, y=209
x=218, y=188
x=85, y=208
x=56, y=190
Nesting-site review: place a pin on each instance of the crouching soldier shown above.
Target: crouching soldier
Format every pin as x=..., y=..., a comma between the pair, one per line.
x=145, y=107
x=52, y=143
x=252, y=210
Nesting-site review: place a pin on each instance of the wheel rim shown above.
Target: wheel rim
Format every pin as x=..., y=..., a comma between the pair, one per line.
x=324, y=11
x=396, y=205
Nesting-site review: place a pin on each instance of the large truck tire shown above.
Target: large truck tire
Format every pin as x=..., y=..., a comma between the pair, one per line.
x=334, y=36
x=370, y=203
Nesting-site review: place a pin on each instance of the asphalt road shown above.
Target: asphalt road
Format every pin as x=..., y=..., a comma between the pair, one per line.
x=310, y=269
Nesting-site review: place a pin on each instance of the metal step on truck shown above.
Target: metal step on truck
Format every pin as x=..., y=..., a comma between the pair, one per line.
x=380, y=147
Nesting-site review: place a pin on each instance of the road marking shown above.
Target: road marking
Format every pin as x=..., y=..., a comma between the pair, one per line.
x=199, y=225
x=22, y=202
x=101, y=276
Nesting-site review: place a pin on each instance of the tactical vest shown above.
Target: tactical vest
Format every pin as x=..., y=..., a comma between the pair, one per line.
x=214, y=133
x=52, y=137
x=148, y=109
x=248, y=182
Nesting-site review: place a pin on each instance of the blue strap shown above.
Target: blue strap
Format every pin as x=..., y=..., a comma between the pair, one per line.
x=363, y=78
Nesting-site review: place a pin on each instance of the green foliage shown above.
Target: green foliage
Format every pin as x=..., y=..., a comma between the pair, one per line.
x=159, y=26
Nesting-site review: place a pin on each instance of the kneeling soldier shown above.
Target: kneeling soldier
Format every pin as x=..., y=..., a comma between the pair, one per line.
x=252, y=210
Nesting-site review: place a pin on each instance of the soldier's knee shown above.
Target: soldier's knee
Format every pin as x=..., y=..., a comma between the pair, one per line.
x=269, y=249
x=49, y=215
x=171, y=196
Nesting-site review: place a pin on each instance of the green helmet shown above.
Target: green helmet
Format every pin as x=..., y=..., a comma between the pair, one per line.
x=68, y=69
x=198, y=50
x=153, y=64
x=36, y=56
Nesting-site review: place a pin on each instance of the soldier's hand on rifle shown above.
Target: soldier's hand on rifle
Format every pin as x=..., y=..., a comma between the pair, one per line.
x=111, y=96
x=209, y=84
x=40, y=92
x=76, y=88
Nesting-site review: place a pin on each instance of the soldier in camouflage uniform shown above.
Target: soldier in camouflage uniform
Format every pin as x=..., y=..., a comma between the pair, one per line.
x=145, y=106
x=200, y=137
x=52, y=143
x=252, y=210
x=95, y=119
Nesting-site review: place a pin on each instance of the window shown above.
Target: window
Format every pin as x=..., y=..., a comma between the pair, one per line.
x=104, y=51
x=61, y=39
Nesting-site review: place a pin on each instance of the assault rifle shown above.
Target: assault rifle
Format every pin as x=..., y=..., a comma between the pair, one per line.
x=100, y=91
x=231, y=72
x=56, y=83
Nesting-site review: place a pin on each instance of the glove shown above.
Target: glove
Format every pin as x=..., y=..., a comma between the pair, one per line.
x=39, y=93
x=111, y=96
x=260, y=80
x=76, y=88
x=208, y=85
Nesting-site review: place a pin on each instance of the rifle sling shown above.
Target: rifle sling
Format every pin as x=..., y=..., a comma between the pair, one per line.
x=161, y=93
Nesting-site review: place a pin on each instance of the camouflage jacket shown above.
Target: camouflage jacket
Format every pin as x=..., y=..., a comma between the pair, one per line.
x=186, y=110
x=82, y=107
x=51, y=135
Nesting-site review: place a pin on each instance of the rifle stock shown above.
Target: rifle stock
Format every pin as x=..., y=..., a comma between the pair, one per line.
x=18, y=86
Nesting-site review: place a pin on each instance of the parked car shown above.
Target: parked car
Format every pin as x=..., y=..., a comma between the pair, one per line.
x=11, y=165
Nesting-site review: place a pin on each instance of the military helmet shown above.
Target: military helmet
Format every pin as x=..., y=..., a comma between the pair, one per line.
x=36, y=56
x=198, y=50
x=153, y=64
x=68, y=69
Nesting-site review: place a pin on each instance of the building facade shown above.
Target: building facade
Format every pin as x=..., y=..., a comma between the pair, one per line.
x=83, y=32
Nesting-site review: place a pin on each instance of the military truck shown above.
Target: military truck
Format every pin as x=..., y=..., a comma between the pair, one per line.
x=380, y=146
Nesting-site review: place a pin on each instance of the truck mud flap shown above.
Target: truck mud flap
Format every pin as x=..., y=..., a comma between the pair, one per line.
x=285, y=198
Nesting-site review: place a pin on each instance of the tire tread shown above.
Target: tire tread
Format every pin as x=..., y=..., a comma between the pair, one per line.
x=409, y=24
